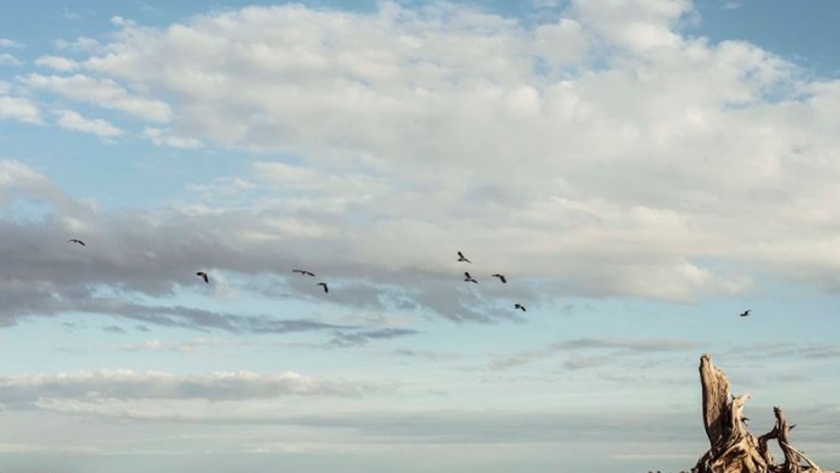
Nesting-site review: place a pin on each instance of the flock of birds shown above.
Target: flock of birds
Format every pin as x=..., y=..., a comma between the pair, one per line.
x=461, y=259
x=303, y=272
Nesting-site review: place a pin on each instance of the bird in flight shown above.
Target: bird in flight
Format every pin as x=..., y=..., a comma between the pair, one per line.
x=73, y=240
x=519, y=306
x=746, y=313
x=326, y=289
x=203, y=275
x=303, y=272
x=461, y=257
x=469, y=278
x=501, y=278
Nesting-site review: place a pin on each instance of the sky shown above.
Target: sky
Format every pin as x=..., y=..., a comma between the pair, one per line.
x=642, y=171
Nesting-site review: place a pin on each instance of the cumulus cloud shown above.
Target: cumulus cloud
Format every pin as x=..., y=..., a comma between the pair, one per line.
x=19, y=108
x=632, y=143
x=103, y=92
x=74, y=121
x=599, y=153
x=57, y=62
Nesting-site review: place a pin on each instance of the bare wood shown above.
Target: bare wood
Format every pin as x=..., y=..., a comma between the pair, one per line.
x=715, y=395
x=733, y=448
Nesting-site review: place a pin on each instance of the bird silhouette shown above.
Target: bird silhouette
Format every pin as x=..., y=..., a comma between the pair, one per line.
x=746, y=313
x=73, y=240
x=304, y=272
x=461, y=257
x=326, y=289
x=469, y=278
x=203, y=275
x=519, y=306
x=501, y=277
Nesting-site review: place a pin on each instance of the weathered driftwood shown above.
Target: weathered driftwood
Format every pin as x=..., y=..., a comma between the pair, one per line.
x=733, y=449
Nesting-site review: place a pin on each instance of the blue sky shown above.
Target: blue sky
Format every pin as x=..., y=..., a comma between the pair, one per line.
x=641, y=170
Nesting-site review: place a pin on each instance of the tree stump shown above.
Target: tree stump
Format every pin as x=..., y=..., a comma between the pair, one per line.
x=733, y=449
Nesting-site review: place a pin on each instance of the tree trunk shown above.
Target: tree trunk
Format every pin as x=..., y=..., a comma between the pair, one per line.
x=732, y=448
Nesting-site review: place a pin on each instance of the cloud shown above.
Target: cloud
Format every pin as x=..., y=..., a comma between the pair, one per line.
x=102, y=92
x=163, y=138
x=343, y=339
x=20, y=109
x=583, y=362
x=10, y=43
x=623, y=346
x=131, y=254
x=81, y=44
x=7, y=59
x=113, y=329
x=582, y=102
x=57, y=62
x=93, y=386
x=646, y=161
x=73, y=121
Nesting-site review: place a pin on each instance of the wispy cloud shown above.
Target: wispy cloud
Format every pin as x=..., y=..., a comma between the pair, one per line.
x=165, y=138
x=57, y=62
x=7, y=59
x=347, y=339
x=74, y=121
x=105, y=93
x=10, y=43
x=617, y=346
x=90, y=386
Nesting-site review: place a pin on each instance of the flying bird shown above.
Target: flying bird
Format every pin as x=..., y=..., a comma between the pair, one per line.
x=519, y=306
x=461, y=257
x=746, y=313
x=203, y=275
x=326, y=289
x=303, y=272
x=469, y=278
x=501, y=277
x=73, y=240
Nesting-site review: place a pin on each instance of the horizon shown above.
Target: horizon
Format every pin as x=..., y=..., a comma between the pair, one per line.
x=640, y=171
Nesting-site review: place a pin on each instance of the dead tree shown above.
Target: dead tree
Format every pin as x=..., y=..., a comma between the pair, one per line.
x=733, y=449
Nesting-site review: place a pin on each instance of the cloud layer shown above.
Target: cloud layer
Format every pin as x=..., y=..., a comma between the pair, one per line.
x=597, y=153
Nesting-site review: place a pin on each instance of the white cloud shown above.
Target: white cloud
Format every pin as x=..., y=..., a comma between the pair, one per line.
x=81, y=44
x=20, y=109
x=56, y=62
x=603, y=151
x=93, y=386
x=7, y=59
x=103, y=92
x=164, y=138
x=74, y=121
x=10, y=43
